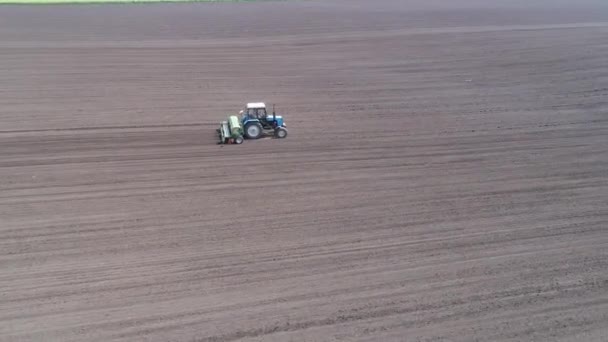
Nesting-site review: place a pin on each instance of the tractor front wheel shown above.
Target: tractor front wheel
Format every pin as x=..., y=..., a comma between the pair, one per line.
x=253, y=130
x=280, y=133
x=238, y=140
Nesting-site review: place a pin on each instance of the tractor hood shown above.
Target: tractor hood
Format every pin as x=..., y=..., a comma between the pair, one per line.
x=278, y=118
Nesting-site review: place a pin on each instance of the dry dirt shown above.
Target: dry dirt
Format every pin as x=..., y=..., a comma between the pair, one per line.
x=445, y=177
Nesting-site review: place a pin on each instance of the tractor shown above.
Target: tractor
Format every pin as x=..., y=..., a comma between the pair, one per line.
x=257, y=122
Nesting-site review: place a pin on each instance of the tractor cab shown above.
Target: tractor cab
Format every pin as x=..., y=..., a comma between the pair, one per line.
x=257, y=121
x=256, y=111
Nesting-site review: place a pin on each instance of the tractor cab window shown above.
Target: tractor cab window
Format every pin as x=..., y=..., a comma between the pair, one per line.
x=259, y=113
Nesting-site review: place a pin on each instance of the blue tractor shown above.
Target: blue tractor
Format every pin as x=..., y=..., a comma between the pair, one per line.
x=257, y=122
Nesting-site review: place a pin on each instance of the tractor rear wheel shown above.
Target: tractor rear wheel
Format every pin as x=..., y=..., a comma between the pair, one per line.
x=280, y=132
x=253, y=130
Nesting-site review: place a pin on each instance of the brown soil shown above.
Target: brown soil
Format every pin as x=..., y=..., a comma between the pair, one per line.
x=444, y=179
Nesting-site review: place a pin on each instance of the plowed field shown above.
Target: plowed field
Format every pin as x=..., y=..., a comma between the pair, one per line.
x=445, y=177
